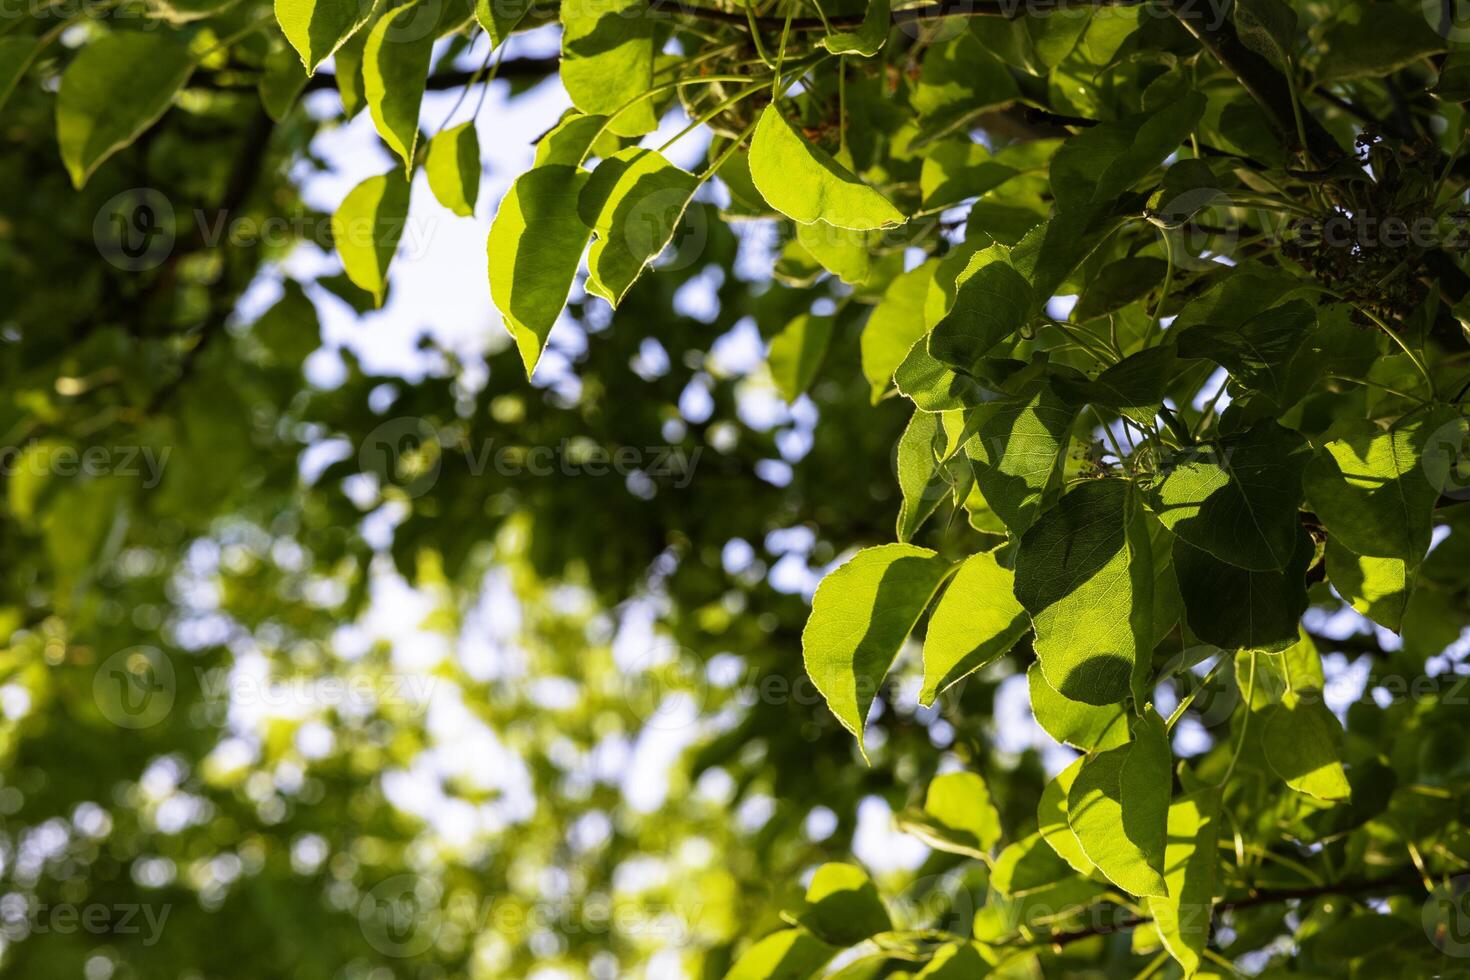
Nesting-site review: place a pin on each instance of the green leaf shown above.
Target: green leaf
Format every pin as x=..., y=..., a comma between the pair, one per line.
x=806, y=184
x=569, y=141
x=1084, y=571
x=500, y=17
x=868, y=38
x=976, y=621
x=932, y=386
x=1118, y=808
x=316, y=29
x=1379, y=588
x=1372, y=487
x=289, y=330
x=453, y=168
x=796, y=353
x=1302, y=745
x=924, y=470
x=1267, y=27
x=1118, y=284
x=1238, y=609
x=635, y=200
x=1134, y=387
x=1051, y=815
x=366, y=228
x=1016, y=452
x=954, y=961
x=993, y=301
x=861, y=614
x=1379, y=40
x=1190, y=861
x=348, y=63
x=281, y=82
x=1102, y=162
x=1263, y=352
x=16, y=55
x=959, y=802
x=1027, y=865
x=1075, y=723
x=843, y=907
x=535, y=246
x=959, y=169
x=1239, y=498
x=607, y=59
x=791, y=954
x=395, y=66
x=893, y=327
x=958, y=81
x=92, y=121
x=846, y=254
x=1453, y=84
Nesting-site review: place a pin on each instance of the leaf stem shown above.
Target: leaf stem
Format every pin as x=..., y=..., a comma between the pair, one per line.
x=1245, y=724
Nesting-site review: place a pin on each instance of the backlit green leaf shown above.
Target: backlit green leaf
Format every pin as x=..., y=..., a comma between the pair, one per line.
x=976, y=621
x=861, y=614
x=1075, y=723
x=395, y=63
x=843, y=907
x=1238, y=609
x=868, y=38
x=1302, y=741
x=1238, y=499
x=453, y=168
x=1103, y=161
x=535, y=246
x=366, y=228
x=806, y=184
x=797, y=352
x=791, y=954
x=1191, y=858
x=92, y=122
x=607, y=57
x=1118, y=808
x=635, y=199
x=1051, y=815
x=317, y=28
x=1084, y=571
x=1016, y=451
x=500, y=17
x=993, y=301
x=893, y=327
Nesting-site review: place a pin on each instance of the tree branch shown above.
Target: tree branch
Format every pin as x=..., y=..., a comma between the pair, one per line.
x=1405, y=880
x=1008, y=9
x=1259, y=78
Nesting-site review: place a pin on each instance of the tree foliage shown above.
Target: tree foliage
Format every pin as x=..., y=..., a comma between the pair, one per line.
x=1118, y=352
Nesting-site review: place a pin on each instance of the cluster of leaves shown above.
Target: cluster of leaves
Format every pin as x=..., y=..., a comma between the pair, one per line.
x=1119, y=531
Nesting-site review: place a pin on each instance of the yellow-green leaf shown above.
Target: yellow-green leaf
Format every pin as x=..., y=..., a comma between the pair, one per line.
x=976, y=621
x=535, y=246
x=317, y=28
x=366, y=228
x=861, y=614
x=114, y=89
x=806, y=184
x=453, y=168
x=394, y=67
